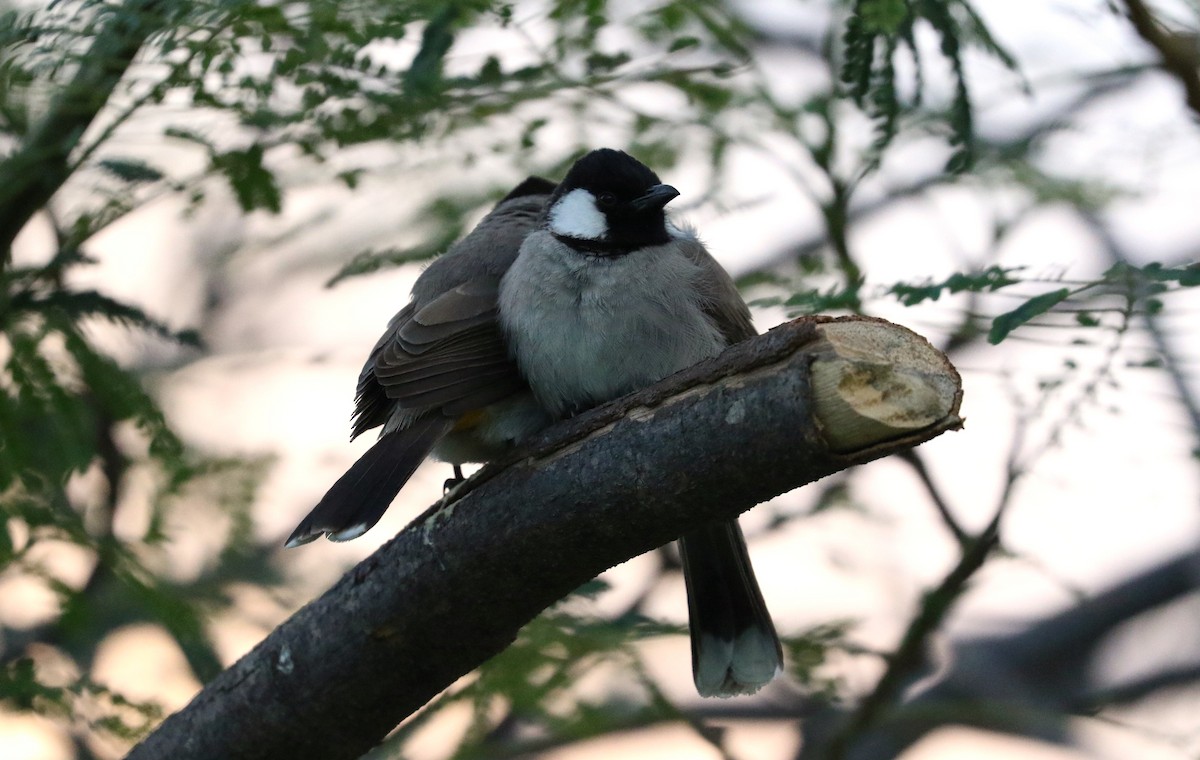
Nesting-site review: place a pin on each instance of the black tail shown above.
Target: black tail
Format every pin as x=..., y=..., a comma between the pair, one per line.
x=735, y=649
x=360, y=497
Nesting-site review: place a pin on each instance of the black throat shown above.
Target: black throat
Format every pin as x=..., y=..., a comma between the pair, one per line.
x=603, y=249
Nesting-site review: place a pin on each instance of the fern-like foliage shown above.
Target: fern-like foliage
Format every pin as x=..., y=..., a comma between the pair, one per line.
x=877, y=30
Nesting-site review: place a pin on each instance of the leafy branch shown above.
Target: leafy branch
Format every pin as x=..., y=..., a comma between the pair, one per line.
x=1136, y=285
x=1178, y=51
x=877, y=30
x=32, y=174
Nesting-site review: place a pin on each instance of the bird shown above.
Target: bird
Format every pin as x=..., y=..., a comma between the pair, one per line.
x=565, y=296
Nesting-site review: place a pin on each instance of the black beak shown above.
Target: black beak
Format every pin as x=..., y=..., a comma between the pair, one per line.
x=654, y=199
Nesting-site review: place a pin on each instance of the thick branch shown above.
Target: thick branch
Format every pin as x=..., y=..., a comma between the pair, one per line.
x=455, y=587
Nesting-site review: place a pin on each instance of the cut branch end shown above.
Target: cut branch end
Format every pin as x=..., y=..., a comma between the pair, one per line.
x=874, y=381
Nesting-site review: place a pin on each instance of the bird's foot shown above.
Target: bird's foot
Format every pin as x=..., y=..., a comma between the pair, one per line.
x=454, y=482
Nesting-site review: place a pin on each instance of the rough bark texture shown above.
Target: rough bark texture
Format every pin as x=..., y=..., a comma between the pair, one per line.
x=456, y=585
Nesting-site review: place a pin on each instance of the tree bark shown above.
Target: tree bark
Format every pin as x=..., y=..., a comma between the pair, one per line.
x=784, y=409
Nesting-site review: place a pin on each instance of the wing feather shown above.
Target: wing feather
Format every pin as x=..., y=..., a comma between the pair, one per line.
x=447, y=356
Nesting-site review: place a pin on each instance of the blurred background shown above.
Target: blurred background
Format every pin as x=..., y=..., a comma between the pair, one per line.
x=209, y=211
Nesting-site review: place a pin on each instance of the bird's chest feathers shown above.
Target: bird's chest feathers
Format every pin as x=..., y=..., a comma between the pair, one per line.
x=585, y=330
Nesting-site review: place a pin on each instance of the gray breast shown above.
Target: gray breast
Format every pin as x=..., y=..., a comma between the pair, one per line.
x=585, y=329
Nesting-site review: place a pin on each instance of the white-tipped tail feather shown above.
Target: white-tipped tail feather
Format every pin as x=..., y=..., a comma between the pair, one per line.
x=735, y=649
x=350, y=533
x=725, y=668
x=359, y=498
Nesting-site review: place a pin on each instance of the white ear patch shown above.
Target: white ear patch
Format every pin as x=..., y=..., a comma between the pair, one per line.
x=575, y=215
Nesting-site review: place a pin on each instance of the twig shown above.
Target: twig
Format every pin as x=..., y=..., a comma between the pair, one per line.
x=1177, y=59
x=918, y=464
x=910, y=655
x=1171, y=364
x=1132, y=691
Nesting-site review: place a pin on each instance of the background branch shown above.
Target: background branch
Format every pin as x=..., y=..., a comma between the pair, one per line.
x=1178, y=52
x=1027, y=683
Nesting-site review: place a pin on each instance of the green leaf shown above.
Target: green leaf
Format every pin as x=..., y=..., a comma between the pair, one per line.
x=131, y=170
x=491, y=72
x=808, y=652
x=813, y=301
x=79, y=305
x=19, y=685
x=1187, y=277
x=121, y=397
x=683, y=43
x=7, y=548
x=425, y=73
x=752, y=279
x=858, y=57
x=252, y=183
x=185, y=624
x=57, y=425
x=883, y=16
x=603, y=63
x=724, y=28
x=1009, y=321
x=188, y=135
x=989, y=280
x=365, y=262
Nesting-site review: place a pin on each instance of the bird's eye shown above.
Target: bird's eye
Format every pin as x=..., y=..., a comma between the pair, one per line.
x=606, y=200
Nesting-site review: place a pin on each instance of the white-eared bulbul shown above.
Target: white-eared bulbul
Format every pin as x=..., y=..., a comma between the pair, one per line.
x=562, y=298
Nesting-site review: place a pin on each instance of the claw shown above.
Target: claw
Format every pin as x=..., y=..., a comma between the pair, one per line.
x=455, y=481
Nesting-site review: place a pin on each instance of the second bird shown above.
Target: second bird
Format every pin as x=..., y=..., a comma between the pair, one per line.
x=562, y=298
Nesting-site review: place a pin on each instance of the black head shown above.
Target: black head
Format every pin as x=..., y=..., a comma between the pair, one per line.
x=609, y=204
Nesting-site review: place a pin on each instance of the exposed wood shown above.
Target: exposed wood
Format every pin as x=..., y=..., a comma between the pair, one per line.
x=873, y=382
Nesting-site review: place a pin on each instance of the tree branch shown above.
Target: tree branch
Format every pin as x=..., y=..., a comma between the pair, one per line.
x=909, y=657
x=1028, y=682
x=456, y=585
x=32, y=174
x=935, y=495
x=1178, y=53
x=1172, y=364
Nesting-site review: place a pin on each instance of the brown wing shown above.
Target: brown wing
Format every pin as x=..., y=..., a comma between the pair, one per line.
x=443, y=352
x=449, y=357
x=723, y=303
